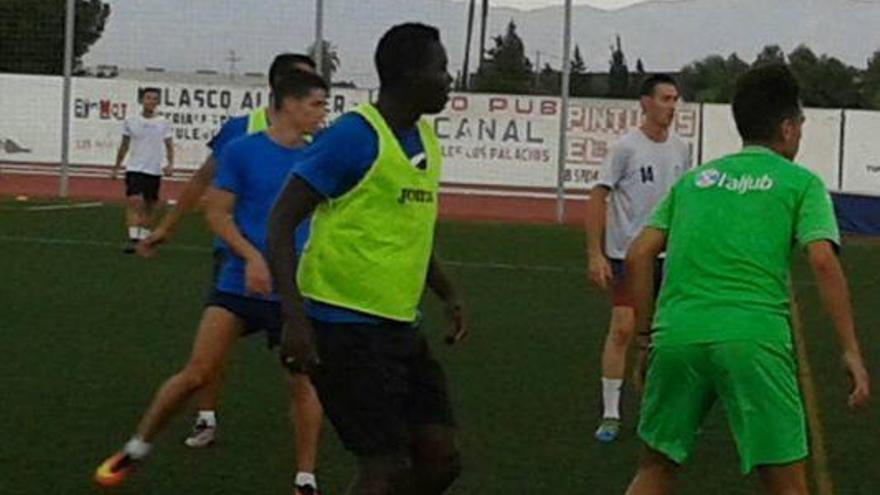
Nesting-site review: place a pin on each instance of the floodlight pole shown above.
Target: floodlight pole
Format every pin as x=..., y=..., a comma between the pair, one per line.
x=69, y=19
x=319, y=36
x=563, y=115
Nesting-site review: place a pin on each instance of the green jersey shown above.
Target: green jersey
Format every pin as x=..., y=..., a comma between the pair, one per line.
x=731, y=228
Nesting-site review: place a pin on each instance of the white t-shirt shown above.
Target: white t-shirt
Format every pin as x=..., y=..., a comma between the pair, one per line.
x=147, y=150
x=639, y=172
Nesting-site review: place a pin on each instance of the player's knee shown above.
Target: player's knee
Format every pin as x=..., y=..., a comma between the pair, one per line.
x=657, y=462
x=621, y=334
x=198, y=374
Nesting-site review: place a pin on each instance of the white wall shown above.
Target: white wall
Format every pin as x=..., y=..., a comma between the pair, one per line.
x=30, y=129
x=501, y=142
x=820, y=145
x=861, y=156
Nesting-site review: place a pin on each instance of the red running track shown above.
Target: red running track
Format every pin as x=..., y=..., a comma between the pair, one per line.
x=453, y=206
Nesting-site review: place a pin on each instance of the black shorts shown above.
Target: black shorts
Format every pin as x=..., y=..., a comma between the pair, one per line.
x=378, y=383
x=141, y=184
x=258, y=315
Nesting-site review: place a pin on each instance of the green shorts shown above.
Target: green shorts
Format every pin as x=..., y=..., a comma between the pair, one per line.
x=757, y=385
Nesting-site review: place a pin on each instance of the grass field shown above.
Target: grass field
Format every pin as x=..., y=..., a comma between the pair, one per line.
x=89, y=333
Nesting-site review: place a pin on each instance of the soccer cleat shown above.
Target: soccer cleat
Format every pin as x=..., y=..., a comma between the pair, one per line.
x=114, y=470
x=305, y=490
x=202, y=435
x=608, y=430
x=130, y=246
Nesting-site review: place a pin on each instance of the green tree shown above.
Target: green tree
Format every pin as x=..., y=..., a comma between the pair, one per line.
x=577, y=62
x=329, y=59
x=506, y=68
x=618, y=73
x=32, y=34
x=549, y=81
x=770, y=54
x=712, y=79
x=870, y=87
x=578, y=81
x=825, y=81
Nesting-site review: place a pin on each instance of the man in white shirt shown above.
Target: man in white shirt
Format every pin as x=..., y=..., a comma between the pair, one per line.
x=147, y=135
x=639, y=171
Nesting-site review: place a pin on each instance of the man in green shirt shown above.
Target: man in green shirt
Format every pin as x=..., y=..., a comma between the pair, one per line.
x=721, y=331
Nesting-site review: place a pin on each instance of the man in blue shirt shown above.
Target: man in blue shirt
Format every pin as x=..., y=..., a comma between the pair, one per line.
x=251, y=172
x=308, y=414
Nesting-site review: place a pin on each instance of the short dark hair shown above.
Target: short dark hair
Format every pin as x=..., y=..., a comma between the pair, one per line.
x=288, y=61
x=296, y=83
x=149, y=89
x=765, y=97
x=403, y=48
x=651, y=82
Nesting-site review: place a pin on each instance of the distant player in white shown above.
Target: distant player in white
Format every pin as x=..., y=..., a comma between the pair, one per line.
x=148, y=136
x=639, y=171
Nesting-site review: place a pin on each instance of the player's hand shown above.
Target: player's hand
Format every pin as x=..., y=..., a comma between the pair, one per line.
x=146, y=248
x=458, y=327
x=114, y=173
x=600, y=270
x=257, y=278
x=168, y=170
x=297, y=351
x=861, y=388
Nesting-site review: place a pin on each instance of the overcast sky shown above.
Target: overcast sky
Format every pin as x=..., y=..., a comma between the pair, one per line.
x=534, y=4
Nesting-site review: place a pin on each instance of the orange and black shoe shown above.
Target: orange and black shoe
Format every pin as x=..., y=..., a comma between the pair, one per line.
x=115, y=469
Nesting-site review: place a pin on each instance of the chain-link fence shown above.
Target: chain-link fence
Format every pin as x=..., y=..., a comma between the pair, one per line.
x=503, y=133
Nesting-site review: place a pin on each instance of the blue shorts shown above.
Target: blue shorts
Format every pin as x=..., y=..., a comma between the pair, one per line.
x=257, y=315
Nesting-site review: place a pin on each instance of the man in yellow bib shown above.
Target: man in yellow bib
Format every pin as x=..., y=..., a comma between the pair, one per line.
x=350, y=302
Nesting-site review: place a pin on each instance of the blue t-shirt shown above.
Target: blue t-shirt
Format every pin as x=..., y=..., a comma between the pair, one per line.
x=254, y=168
x=335, y=163
x=231, y=130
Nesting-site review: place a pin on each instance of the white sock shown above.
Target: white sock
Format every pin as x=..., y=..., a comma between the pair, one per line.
x=143, y=233
x=611, y=397
x=209, y=417
x=137, y=448
x=134, y=233
x=306, y=479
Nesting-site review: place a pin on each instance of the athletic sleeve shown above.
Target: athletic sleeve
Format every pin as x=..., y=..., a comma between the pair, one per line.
x=661, y=218
x=169, y=131
x=230, y=130
x=815, y=218
x=126, y=128
x=339, y=157
x=614, y=167
x=229, y=176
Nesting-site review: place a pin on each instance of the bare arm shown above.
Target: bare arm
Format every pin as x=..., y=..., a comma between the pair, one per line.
x=193, y=191
x=218, y=212
x=169, y=156
x=440, y=284
x=595, y=219
x=834, y=292
x=295, y=203
x=599, y=268
x=120, y=154
x=640, y=276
